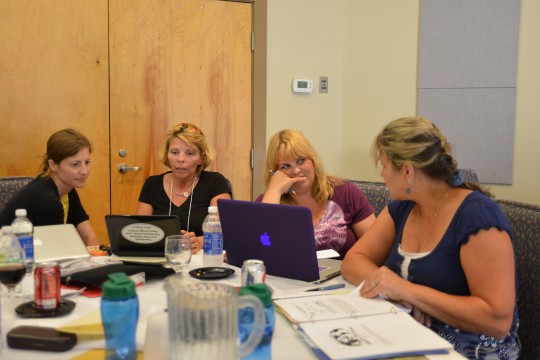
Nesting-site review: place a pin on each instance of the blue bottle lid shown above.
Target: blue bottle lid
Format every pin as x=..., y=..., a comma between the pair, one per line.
x=119, y=286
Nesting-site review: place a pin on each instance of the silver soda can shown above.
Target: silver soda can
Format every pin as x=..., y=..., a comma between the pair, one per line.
x=253, y=272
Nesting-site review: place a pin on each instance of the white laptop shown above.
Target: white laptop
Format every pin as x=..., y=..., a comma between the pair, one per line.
x=58, y=243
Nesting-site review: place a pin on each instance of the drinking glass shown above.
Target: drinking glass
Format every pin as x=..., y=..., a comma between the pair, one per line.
x=12, y=264
x=178, y=251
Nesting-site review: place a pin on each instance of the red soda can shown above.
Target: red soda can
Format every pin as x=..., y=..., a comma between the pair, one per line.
x=47, y=286
x=253, y=272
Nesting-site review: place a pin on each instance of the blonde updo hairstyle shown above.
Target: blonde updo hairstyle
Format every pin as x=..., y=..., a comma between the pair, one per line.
x=418, y=141
x=293, y=144
x=194, y=138
x=63, y=144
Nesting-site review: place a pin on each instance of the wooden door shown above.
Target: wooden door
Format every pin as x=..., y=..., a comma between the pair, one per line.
x=178, y=61
x=54, y=75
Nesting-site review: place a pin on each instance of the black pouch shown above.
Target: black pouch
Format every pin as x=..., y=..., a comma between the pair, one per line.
x=40, y=338
x=94, y=278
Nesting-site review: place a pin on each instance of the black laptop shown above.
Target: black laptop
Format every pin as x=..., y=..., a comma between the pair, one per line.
x=140, y=235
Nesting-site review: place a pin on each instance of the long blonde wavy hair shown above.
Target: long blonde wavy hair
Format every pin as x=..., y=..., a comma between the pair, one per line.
x=290, y=143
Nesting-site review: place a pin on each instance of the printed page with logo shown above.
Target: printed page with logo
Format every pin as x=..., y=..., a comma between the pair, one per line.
x=348, y=326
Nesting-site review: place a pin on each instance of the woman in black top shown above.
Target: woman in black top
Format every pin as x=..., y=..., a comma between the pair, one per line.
x=187, y=190
x=51, y=198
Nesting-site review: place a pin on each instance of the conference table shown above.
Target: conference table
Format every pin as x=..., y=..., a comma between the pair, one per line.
x=152, y=326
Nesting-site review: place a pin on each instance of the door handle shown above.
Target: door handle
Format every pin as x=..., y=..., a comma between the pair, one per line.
x=123, y=168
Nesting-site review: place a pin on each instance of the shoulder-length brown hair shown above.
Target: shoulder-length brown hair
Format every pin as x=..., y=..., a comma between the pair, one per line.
x=63, y=144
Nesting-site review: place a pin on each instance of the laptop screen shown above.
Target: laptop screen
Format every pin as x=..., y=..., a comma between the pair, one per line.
x=280, y=235
x=140, y=235
x=58, y=242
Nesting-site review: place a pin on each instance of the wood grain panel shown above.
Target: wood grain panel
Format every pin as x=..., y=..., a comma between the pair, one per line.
x=54, y=74
x=179, y=61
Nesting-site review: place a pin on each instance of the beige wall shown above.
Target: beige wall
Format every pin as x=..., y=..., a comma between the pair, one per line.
x=368, y=49
x=305, y=40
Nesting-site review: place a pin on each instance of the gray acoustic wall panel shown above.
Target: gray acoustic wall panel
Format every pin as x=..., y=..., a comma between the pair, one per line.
x=482, y=136
x=467, y=72
x=468, y=43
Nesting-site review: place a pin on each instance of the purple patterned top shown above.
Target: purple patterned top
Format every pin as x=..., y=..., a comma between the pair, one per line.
x=348, y=206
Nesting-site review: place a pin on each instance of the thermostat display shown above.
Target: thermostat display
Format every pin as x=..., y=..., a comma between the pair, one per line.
x=302, y=86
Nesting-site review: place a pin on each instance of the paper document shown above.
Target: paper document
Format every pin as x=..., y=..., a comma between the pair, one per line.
x=348, y=326
x=327, y=254
x=332, y=306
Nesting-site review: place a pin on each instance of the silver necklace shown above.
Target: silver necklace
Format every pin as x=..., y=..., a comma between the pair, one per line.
x=185, y=193
x=434, y=217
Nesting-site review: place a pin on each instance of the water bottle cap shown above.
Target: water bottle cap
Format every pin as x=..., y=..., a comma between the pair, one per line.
x=20, y=212
x=7, y=229
x=212, y=209
x=259, y=290
x=119, y=286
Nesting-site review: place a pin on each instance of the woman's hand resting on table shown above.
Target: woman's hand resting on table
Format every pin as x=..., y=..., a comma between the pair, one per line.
x=387, y=284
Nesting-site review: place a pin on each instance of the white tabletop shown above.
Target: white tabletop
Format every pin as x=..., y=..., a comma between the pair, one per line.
x=152, y=299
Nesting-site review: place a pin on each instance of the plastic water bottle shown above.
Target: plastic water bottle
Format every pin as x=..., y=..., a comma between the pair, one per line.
x=263, y=351
x=24, y=231
x=119, y=314
x=7, y=237
x=212, y=239
x=1, y=341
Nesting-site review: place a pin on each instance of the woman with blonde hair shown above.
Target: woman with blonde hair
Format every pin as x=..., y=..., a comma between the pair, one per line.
x=295, y=175
x=187, y=190
x=442, y=247
x=52, y=198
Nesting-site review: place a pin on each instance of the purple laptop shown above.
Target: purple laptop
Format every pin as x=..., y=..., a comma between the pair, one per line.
x=280, y=235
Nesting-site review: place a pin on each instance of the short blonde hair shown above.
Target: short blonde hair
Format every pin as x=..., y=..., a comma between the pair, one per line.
x=290, y=143
x=193, y=137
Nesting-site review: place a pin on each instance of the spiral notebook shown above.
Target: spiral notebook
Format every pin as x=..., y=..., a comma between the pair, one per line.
x=280, y=235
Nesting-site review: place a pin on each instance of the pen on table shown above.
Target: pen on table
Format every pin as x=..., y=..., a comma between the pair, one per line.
x=291, y=189
x=329, y=287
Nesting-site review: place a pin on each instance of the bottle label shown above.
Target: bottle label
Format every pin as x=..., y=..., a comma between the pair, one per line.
x=27, y=243
x=213, y=243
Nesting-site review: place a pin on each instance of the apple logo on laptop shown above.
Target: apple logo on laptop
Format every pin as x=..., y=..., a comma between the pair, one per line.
x=265, y=239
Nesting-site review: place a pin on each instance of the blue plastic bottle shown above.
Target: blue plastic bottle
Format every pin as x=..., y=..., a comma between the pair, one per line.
x=119, y=314
x=264, y=350
x=212, y=239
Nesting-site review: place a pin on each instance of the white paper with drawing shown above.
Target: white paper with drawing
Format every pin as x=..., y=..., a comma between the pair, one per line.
x=348, y=326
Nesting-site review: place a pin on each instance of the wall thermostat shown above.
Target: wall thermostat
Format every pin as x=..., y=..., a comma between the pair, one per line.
x=302, y=85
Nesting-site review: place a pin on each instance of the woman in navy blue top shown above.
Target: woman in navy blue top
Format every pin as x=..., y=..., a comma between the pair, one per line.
x=442, y=247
